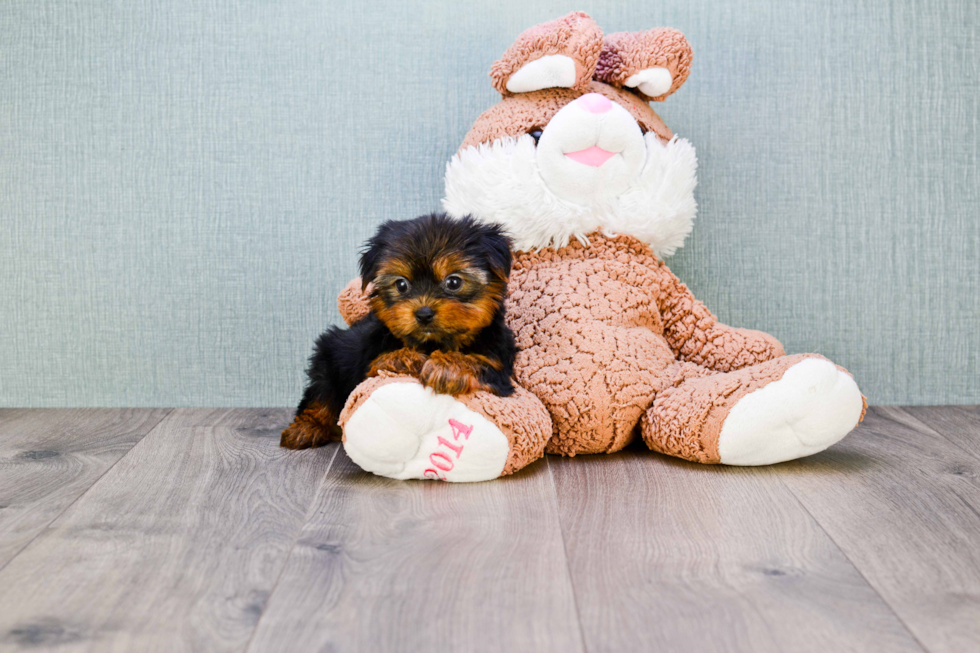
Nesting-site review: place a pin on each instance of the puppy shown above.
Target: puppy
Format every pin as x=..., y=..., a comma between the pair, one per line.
x=437, y=289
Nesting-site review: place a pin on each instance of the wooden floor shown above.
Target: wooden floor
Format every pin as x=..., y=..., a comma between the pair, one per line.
x=144, y=530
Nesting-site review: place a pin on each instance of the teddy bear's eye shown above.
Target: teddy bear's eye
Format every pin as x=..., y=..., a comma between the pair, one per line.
x=536, y=135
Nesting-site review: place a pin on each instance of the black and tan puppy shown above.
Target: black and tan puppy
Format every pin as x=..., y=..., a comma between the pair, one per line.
x=437, y=290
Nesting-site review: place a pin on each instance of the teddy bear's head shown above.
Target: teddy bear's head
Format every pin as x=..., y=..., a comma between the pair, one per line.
x=573, y=146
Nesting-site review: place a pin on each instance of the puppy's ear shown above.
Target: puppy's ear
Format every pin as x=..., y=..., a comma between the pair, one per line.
x=373, y=252
x=496, y=245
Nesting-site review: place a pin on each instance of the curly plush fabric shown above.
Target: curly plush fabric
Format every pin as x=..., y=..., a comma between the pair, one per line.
x=626, y=53
x=685, y=420
x=600, y=329
x=352, y=303
x=695, y=335
x=521, y=417
x=575, y=35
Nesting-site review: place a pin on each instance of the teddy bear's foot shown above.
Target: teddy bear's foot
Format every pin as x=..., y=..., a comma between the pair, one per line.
x=786, y=408
x=812, y=406
x=395, y=427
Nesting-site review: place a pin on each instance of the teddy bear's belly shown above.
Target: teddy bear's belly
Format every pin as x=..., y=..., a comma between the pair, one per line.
x=590, y=343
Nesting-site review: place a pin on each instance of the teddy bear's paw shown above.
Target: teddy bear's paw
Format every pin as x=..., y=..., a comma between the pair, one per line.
x=812, y=406
x=405, y=431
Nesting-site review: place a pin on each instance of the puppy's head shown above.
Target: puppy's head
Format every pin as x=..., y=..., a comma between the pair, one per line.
x=436, y=280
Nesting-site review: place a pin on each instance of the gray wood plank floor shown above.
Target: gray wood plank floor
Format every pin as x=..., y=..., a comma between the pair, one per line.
x=145, y=530
x=678, y=544
x=48, y=458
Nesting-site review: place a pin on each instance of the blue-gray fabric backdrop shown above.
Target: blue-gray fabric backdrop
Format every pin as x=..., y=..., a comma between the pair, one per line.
x=184, y=185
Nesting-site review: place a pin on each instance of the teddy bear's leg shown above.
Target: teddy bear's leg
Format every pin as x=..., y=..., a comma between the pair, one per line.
x=395, y=427
x=786, y=408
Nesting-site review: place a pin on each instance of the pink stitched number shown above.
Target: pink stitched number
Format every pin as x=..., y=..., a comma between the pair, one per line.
x=439, y=459
x=458, y=448
x=434, y=475
x=447, y=459
x=460, y=429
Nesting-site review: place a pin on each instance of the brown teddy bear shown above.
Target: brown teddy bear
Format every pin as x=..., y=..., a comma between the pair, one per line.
x=594, y=189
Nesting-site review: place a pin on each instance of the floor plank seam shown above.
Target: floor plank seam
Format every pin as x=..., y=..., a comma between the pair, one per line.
x=299, y=534
x=87, y=490
x=966, y=503
x=564, y=548
x=856, y=568
x=930, y=429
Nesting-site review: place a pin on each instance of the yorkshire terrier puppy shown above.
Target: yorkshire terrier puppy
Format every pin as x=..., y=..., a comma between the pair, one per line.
x=437, y=290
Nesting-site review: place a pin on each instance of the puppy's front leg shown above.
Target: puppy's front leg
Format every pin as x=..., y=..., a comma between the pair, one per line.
x=314, y=427
x=453, y=373
x=401, y=361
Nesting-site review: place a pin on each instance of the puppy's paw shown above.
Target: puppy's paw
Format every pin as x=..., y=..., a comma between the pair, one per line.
x=310, y=430
x=299, y=435
x=401, y=361
x=451, y=373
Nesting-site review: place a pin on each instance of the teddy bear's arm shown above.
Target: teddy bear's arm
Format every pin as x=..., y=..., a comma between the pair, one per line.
x=353, y=302
x=695, y=334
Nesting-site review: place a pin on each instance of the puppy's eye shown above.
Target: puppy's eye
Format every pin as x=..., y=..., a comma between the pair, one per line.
x=453, y=283
x=536, y=135
x=401, y=285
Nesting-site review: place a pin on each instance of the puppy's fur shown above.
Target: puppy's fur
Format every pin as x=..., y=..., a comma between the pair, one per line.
x=437, y=290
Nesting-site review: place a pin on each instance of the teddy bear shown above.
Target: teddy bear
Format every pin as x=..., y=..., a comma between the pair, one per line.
x=595, y=191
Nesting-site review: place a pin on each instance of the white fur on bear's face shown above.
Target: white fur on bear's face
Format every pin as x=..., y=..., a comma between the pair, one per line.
x=504, y=183
x=573, y=129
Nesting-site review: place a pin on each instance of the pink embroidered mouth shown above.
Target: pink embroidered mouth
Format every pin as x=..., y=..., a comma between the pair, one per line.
x=595, y=156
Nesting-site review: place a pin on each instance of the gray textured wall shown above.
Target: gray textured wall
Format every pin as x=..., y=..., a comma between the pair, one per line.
x=184, y=185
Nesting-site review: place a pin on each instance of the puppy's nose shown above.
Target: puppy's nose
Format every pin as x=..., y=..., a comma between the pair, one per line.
x=595, y=103
x=424, y=315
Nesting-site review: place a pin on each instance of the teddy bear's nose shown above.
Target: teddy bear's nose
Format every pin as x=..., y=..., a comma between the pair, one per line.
x=595, y=103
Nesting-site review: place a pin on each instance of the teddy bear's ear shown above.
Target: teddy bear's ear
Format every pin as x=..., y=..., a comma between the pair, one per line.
x=561, y=53
x=653, y=63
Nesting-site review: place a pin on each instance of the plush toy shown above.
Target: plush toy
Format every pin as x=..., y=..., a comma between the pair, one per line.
x=595, y=190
